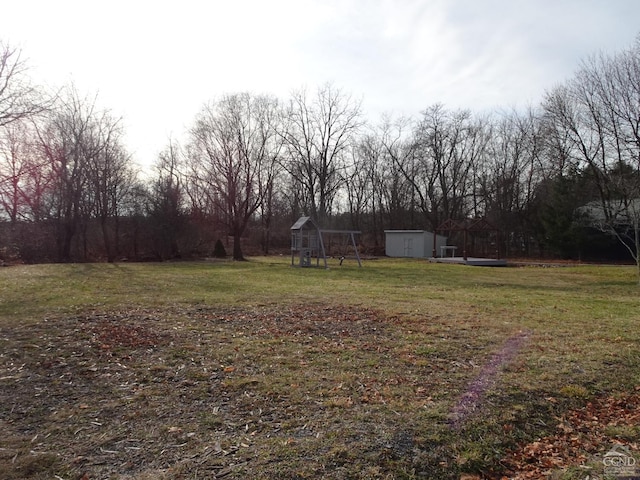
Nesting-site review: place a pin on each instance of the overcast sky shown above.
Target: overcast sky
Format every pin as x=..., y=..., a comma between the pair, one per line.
x=156, y=62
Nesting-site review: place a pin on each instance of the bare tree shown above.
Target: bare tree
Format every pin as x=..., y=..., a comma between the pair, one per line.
x=110, y=179
x=447, y=144
x=165, y=207
x=73, y=141
x=597, y=113
x=508, y=174
x=359, y=187
x=362, y=194
x=270, y=175
x=14, y=166
x=19, y=98
x=319, y=134
x=232, y=151
x=397, y=168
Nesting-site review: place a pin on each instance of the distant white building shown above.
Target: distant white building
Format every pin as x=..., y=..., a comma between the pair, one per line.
x=618, y=211
x=412, y=243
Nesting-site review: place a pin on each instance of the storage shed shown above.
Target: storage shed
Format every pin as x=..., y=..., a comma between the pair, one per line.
x=412, y=243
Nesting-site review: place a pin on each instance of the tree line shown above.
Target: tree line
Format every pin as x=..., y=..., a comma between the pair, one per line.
x=560, y=178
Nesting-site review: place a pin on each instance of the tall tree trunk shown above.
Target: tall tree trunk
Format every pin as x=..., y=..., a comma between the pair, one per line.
x=106, y=239
x=237, y=248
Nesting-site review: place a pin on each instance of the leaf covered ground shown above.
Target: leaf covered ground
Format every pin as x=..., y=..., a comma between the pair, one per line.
x=316, y=392
x=397, y=370
x=208, y=393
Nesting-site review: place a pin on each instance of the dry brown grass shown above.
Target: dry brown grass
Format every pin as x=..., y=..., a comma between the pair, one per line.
x=313, y=376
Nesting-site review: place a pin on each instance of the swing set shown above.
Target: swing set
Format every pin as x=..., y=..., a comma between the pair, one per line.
x=308, y=245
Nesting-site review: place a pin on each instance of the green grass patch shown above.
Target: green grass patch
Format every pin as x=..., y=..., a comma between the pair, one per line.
x=399, y=369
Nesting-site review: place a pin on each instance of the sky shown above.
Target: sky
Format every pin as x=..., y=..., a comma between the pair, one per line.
x=156, y=63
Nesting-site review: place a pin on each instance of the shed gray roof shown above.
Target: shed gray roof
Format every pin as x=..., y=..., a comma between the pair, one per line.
x=301, y=223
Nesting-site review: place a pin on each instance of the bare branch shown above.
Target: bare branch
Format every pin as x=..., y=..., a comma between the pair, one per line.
x=19, y=98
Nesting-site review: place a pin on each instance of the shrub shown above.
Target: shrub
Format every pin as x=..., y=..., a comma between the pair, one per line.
x=219, y=250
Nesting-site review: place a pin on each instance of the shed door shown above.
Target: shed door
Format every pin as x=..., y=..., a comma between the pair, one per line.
x=408, y=247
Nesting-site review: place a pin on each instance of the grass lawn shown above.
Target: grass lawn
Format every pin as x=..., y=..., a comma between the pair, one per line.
x=397, y=370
